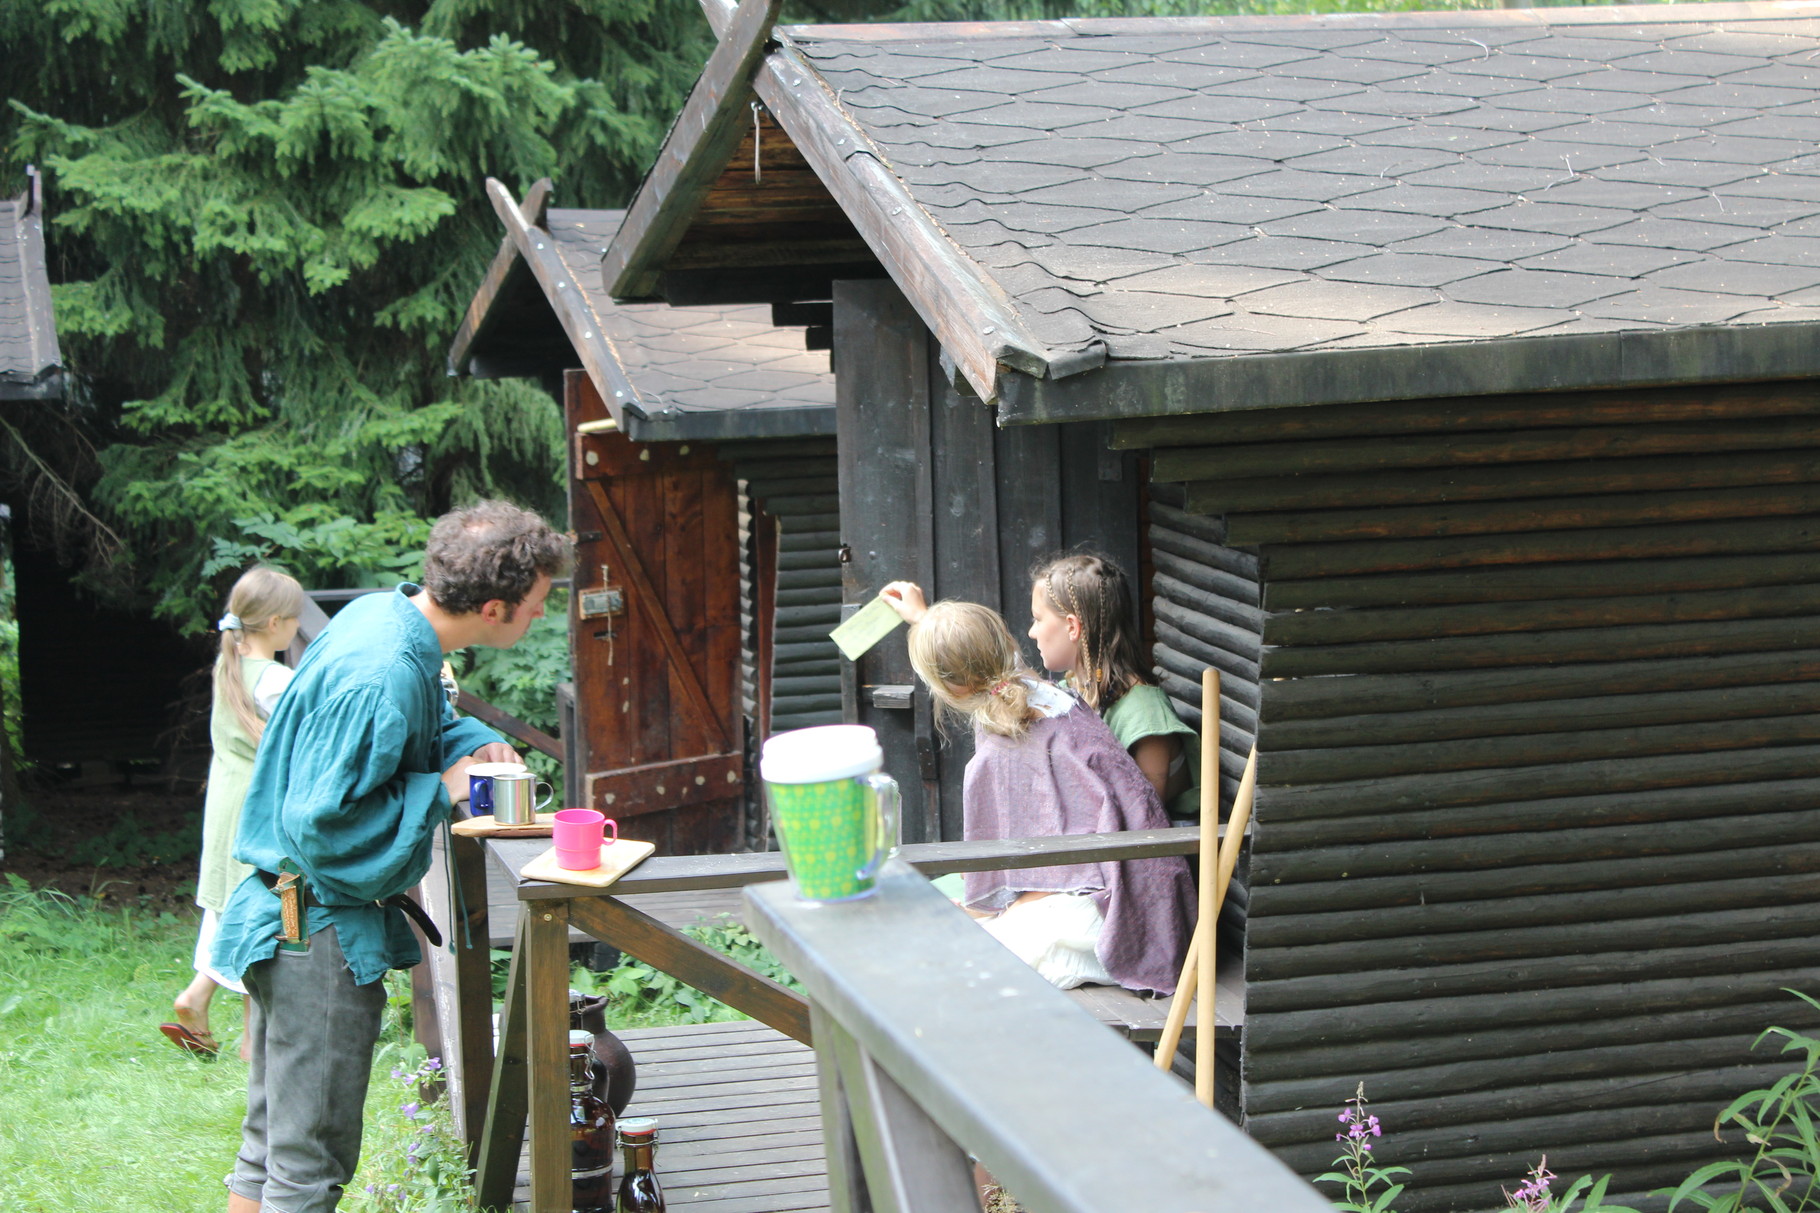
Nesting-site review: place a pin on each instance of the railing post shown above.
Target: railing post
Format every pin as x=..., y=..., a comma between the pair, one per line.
x=907, y=1164
x=470, y=938
x=546, y=946
x=502, y=1133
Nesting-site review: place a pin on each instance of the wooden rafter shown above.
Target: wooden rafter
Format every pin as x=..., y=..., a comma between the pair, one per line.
x=693, y=154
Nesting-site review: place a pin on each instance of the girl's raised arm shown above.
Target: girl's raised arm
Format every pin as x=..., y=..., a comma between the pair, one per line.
x=906, y=598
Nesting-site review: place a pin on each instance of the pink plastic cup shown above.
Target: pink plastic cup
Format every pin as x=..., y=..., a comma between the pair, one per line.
x=579, y=835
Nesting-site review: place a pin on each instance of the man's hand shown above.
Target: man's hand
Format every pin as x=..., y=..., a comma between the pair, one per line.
x=455, y=779
x=496, y=751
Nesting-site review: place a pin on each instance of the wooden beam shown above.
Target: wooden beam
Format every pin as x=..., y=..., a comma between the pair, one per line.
x=664, y=947
x=584, y=331
x=692, y=157
x=510, y=725
x=668, y=873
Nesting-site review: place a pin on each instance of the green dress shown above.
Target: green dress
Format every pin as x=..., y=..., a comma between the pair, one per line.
x=1144, y=711
x=230, y=771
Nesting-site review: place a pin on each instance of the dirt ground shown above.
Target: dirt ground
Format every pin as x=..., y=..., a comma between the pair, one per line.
x=64, y=817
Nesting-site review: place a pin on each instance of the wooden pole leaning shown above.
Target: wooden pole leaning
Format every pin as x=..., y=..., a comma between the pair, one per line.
x=1236, y=824
x=1210, y=901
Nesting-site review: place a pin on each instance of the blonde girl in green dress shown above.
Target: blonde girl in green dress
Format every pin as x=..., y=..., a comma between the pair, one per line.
x=260, y=623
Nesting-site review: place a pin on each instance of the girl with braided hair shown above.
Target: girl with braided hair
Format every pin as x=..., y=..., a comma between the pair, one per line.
x=1086, y=629
x=1045, y=764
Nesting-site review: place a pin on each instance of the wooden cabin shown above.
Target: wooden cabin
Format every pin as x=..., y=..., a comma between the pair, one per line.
x=1451, y=379
x=31, y=366
x=702, y=495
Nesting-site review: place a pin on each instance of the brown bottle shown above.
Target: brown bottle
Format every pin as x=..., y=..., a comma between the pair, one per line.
x=639, y=1191
x=590, y=1132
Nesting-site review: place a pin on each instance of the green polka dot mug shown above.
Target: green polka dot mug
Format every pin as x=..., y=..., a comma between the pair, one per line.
x=835, y=810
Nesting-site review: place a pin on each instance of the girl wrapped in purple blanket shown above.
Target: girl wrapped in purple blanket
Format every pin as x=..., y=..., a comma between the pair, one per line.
x=1044, y=763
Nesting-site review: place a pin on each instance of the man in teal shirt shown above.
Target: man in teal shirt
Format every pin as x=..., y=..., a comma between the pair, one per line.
x=361, y=761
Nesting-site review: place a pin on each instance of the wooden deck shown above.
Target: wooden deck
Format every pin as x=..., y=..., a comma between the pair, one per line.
x=739, y=1124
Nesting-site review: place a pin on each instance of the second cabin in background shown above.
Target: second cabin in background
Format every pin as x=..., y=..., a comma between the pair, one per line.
x=702, y=494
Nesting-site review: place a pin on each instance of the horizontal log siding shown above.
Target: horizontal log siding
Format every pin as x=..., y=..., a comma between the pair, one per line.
x=1535, y=849
x=795, y=484
x=1205, y=602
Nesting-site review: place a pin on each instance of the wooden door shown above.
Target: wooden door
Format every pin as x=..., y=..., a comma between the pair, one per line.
x=655, y=628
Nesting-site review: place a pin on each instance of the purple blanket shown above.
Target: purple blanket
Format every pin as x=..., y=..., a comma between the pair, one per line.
x=1069, y=775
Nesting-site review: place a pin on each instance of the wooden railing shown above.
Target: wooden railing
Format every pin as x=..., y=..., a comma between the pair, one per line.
x=493, y=1093
x=934, y=1043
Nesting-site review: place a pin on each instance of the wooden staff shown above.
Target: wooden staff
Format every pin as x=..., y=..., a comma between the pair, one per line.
x=1210, y=906
x=1229, y=862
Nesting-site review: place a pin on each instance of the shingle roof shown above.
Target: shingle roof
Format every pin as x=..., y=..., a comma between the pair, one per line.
x=671, y=373
x=1168, y=192
x=30, y=363
x=1283, y=186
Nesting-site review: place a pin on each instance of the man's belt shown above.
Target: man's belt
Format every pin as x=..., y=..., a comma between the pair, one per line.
x=293, y=895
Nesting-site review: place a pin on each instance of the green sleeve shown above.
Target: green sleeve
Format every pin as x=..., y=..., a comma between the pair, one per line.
x=1142, y=712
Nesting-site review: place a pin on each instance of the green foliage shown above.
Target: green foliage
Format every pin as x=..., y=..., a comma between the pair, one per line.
x=642, y=990
x=268, y=217
x=522, y=679
x=12, y=710
x=125, y=843
x=1368, y=1188
x=413, y=1160
x=641, y=996
x=1584, y=1195
x=1783, y=1175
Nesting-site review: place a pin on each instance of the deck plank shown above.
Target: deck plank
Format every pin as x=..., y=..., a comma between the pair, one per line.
x=739, y=1121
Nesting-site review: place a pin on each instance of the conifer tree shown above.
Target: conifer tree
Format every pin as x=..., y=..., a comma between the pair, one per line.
x=267, y=221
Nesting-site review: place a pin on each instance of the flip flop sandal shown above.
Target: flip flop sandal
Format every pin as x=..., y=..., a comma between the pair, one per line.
x=201, y=1044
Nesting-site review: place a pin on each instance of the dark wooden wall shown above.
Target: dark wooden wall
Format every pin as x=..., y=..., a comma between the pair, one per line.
x=932, y=491
x=1535, y=851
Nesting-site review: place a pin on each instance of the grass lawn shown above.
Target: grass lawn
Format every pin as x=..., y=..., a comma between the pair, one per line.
x=99, y=1113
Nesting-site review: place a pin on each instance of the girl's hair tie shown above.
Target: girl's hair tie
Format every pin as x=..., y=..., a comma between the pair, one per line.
x=1000, y=687
x=229, y=622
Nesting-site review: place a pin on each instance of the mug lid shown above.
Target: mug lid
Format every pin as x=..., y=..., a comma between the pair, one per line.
x=822, y=753
x=497, y=768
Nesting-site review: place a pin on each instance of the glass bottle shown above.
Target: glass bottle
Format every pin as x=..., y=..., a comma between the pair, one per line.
x=590, y=1131
x=639, y=1191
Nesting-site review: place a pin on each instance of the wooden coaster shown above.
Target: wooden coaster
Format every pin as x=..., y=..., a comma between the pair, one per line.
x=486, y=827
x=616, y=859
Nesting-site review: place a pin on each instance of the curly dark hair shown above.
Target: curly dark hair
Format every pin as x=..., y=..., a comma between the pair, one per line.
x=492, y=549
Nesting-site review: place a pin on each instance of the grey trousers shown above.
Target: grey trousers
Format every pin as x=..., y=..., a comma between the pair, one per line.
x=312, y=1032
